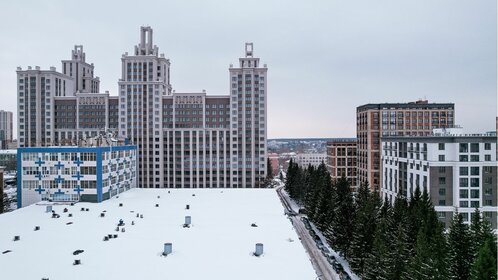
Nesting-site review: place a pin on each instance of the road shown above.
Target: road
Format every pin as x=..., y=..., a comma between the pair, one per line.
x=323, y=269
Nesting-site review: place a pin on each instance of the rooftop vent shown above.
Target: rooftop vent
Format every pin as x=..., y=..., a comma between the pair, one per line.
x=49, y=209
x=168, y=248
x=187, y=207
x=37, y=228
x=188, y=221
x=259, y=249
x=65, y=210
x=17, y=238
x=157, y=205
x=77, y=262
x=69, y=215
x=121, y=205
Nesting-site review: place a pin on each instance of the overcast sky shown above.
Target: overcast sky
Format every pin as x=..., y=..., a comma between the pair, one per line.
x=324, y=58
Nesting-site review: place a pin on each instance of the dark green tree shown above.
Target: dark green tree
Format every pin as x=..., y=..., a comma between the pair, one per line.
x=376, y=259
x=484, y=267
x=342, y=225
x=367, y=207
x=460, y=249
x=269, y=170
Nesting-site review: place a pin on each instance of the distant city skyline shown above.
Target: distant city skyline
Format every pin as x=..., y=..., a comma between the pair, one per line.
x=325, y=58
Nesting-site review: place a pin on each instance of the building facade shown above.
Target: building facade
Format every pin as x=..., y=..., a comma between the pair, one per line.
x=62, y=108
x=313, y=159
x=8, y=159
x=193, y=140
x=374, y=121
x=6, y=126
x=459, y=172
x=341, y=159
x=69, y=174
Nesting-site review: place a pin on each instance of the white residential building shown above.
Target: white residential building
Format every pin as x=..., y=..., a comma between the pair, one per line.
x=313, y=159
x=193, y=140
x=458, y=170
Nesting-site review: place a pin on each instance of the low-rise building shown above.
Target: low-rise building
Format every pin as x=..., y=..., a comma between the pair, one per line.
x=458, y=170
x=304, y=160
x=72, y=173
x=8, y=159
x=341, y=159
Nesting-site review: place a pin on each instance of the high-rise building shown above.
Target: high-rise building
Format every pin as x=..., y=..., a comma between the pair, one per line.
x=374, y=121
x=458, y=171
x=5, y=128
x=193, y=140
x=62, y=108
x=341, y=159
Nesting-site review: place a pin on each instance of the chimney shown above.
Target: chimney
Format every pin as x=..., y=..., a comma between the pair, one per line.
x=168, y=249
x=259, y=249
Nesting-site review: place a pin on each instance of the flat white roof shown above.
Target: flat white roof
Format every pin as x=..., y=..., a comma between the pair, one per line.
x=218, y=245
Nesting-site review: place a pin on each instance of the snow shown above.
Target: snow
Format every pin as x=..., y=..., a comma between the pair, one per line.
x=218, y=245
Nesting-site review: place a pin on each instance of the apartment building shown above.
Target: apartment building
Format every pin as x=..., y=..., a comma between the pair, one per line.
x=57, y=108
x=458, y=170
x=374, y=121
x=341, y=160
x=6, y=123
x=193, y=140
x=313, y=159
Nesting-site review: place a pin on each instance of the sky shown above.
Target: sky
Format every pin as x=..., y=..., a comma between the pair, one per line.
x=324, y=58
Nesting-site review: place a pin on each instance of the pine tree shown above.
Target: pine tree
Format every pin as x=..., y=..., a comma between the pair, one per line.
x=269, y=170
x=324, y=211
x=484, y=267
x=399, y=250
x=375, y=262
x=460, y=251
x=342, y=225
x=367, y=207
x=430, y=249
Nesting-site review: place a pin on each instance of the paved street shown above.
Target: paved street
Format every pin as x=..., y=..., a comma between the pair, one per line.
x=322, y=267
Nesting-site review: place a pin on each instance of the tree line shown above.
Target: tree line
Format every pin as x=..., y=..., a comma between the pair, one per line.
x=400, y=240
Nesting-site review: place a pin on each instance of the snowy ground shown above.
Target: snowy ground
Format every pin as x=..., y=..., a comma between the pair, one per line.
x=219, y=244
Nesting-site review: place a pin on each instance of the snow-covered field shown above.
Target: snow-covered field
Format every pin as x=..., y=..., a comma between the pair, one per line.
x=218, y=245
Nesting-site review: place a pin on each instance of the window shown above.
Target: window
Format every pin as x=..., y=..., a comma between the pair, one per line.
x=464, y=193
x=464, y=148
x=474, y=182
x=465, y=216
x=488, y=202
x=488, y=191
x=488, y=180
x=464, y=158
x=474, y=170
x=487, y=169
x=442, y=180
x=441, y=146
x=464, y=182
x=442, y=169
x=474, y=157
x=487, y=146
x=441, y=157
x=474, y=147
x=474, y=204
x=487, y=157
x=464, y=171
x=442, y=191
x=474, y=193
x=464, y=203
x=442, y=202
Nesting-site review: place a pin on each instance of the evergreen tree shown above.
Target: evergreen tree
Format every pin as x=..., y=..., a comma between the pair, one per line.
x=399, y=249
x=367, y=207
x=269, y=170
x=281, y=176
x=430, y=248
x=460, y=251
x=375, y=262
x=325, y=208
x=484, y=267
x=342, y=225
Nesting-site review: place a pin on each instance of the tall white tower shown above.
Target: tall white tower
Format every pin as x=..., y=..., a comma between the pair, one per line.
x=248, y=91
x=144, y=80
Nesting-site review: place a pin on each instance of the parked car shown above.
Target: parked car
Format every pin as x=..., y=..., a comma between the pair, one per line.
x=302, y=211
x=325, y=251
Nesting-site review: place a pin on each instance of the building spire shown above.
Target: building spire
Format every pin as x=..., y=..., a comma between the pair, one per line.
x=146, y=46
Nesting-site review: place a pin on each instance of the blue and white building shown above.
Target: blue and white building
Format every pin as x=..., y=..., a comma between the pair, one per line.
x=73, y=173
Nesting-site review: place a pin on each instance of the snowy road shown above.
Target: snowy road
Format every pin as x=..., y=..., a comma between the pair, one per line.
x=322, y=267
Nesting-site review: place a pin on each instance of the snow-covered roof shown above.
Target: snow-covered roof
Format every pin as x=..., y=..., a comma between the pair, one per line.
x=218, y=245
x=8, y=152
